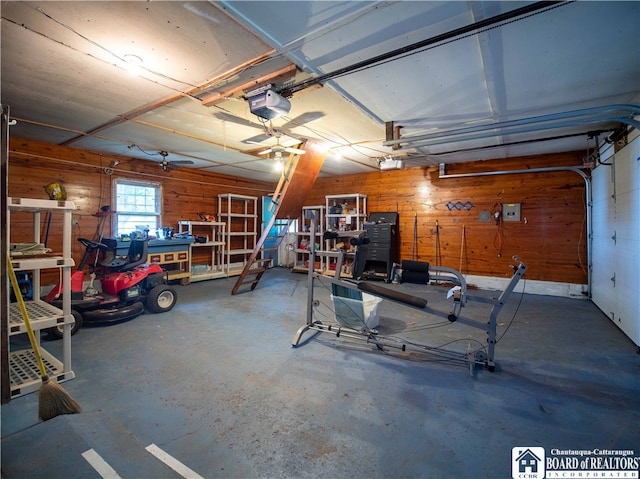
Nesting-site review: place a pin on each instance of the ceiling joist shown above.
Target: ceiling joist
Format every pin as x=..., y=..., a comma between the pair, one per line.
x=276, y=76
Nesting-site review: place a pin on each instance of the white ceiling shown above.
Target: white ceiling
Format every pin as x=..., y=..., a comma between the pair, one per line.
x=556, y=71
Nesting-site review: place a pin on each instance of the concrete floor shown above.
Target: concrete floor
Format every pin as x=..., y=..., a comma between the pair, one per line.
x=216, y=385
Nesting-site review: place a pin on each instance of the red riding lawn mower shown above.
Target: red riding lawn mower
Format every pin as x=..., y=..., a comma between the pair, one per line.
x=128, y=284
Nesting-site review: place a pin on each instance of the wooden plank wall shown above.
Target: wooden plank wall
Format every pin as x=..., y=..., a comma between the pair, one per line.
x=186, y=192
x=551, y=238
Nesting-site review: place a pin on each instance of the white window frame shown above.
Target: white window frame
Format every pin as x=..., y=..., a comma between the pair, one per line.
x=150, y=215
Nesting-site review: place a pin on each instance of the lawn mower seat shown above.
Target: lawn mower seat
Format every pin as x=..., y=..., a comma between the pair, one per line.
x=136, y=256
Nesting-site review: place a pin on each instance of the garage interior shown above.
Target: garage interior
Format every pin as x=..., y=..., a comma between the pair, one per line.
x=266, y=195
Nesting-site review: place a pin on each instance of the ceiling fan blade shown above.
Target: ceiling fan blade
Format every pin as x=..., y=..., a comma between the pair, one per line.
x=265, y=152
x=253, y=151
x=237, y=120
x=292, y=143
x=256, y=140
x=181, y=162
x=302, y=119
x=297, y=151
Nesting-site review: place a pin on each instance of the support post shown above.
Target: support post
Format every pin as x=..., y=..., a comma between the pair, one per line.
x=493, y=317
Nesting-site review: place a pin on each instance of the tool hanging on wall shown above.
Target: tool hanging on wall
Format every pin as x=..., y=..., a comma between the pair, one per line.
x=103, y=215
x=46, y=231
x=438, y=254
x=414, y=246
x=462, y=247
x=496, y=211
x=56, y=192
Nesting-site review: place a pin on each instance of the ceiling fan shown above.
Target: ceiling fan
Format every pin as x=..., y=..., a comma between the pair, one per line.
x=279, y=149
x=268, y=130
x=168, y=165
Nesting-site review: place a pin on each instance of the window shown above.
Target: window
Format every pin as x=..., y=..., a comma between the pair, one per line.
x=137, y=206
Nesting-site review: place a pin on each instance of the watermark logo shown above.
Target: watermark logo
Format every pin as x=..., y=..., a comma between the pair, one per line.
x=536, y=463
x=527, y=463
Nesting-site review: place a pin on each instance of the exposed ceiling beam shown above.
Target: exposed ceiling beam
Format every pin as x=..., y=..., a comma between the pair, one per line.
x=186, y=135
x=275, y=76
x=171, y=98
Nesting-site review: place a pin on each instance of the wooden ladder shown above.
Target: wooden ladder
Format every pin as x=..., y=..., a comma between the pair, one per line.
x=298, y=175
x=261, y=258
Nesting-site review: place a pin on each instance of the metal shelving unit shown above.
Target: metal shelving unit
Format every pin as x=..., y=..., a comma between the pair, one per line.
x=343, y=214
x=303, y=241
x=214, y=246
x=346, y=212
x=23, y=367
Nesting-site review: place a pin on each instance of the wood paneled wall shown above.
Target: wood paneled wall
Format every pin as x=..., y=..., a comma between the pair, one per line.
x=551, y=237
x=186, y=192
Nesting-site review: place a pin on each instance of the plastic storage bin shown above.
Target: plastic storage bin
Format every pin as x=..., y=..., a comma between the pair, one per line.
x=355, y=313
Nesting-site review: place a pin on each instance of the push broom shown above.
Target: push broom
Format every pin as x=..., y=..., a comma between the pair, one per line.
x=53, y=400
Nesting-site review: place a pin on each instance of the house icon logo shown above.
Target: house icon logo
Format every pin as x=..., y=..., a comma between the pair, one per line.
x=527, y=463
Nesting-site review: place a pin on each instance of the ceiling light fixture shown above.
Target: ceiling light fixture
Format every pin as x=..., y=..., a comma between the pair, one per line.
x=109, y=169
x=388, y=163
x=133, y=64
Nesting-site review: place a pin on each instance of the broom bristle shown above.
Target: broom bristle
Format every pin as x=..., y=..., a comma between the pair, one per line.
x=54, y=400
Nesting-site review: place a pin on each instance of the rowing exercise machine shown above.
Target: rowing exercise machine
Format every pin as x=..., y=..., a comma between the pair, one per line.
x=458, y=295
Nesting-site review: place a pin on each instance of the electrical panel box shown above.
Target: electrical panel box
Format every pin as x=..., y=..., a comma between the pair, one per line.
x=511, y=212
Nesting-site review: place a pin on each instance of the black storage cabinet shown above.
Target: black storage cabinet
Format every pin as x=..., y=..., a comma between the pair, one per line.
x=382, y=250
